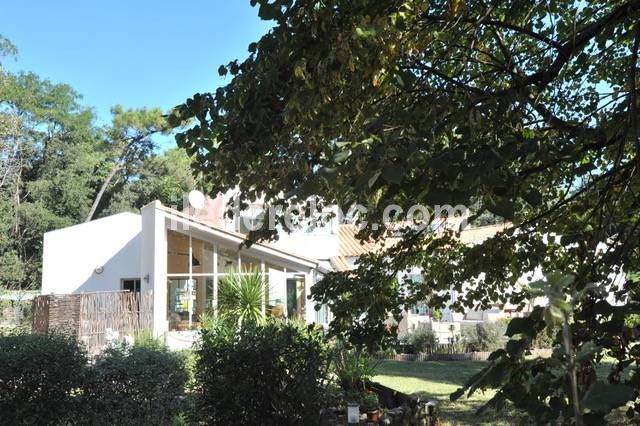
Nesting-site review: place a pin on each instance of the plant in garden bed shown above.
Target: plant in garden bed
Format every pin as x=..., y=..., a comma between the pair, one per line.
x=370, y=404
x=134, y=384
x=418, y=341
x=39, y=375
x=484, y=336
x=241, y=297
x=273, y=372
x=353, y=368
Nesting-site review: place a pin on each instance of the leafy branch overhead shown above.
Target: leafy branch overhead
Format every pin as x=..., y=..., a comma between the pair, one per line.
x=528, y=110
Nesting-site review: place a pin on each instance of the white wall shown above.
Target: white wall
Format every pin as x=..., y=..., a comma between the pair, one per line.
x=153, y=263
x=309, y=245
x=71, y=255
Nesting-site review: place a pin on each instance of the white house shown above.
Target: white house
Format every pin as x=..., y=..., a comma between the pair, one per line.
x=176, y=258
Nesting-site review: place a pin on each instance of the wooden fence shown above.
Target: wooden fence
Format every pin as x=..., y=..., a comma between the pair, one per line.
x=90, y=316
x=452, y=356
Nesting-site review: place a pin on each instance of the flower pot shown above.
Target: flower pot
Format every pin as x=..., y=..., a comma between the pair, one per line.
x=353, y=413
x=373, y=416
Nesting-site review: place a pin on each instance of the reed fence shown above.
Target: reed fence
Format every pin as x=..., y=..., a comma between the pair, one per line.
x=91, y=316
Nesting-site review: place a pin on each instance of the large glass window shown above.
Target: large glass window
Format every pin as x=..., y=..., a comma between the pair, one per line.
x=177, y=253
x=192, y=280
x=202, y=257
x=227, y=260
x=179, y=303
x=249, y=264
x=295, y=297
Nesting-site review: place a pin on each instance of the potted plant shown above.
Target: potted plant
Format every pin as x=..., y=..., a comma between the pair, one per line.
x=353, y=413
x=371, y=405
x=352, y=399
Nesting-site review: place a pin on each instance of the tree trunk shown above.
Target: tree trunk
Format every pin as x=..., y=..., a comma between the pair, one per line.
x=100, y=193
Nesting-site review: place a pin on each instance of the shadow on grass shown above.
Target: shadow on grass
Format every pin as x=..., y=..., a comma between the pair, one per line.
x=445, y=372
x=437, y=380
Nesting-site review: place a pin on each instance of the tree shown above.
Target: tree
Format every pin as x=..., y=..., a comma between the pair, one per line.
x=57, y=167
x=47, y=152
x=165, y=177
x=527, y=109
x=129, y=140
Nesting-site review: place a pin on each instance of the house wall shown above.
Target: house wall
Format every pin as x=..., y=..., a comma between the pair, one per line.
x=71, y=255
x=153, y=263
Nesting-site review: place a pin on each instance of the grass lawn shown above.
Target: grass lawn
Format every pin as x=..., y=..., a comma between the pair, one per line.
x=438, y=379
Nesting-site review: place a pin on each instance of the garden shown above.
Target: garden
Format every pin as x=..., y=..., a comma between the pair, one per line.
x=270, y=372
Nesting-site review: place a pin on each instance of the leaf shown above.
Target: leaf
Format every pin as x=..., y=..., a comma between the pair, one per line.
x=342, y=156
x=268, y=11
x=501, y=207
x=587, y=351
x=374, y=178
x=532, y=196
x=392, y=173
x=520, y=326
x=515, y=348
x=604, y=397
x=364, y=33
x=496, y=354
x=454, y=396
x=222, y=71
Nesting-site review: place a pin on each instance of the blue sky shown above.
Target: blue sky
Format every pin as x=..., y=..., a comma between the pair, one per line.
x=135, y=53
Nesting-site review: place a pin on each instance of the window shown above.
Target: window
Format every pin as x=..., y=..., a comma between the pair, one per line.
x=322, y=315
x=132, y=285
x=420, y=309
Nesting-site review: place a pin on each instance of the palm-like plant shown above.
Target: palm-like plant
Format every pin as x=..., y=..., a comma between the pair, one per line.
x=241, y=297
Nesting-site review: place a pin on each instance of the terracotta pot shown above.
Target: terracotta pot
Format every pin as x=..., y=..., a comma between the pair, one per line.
x=373, y=415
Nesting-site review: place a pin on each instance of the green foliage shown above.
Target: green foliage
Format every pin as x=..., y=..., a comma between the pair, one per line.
x=484, y=336
x=142, y=384
x=352, y=367
x=59, y=166
x=38, y=378
x=369, y=401
x=526, y=110
x=418, y=341
x=46, y=379
x=166, y=177
x=271, y=373
x=436, y=314
x=241, y=296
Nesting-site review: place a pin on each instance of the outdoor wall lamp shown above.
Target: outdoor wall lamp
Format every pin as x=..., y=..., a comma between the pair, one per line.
x=99, y=269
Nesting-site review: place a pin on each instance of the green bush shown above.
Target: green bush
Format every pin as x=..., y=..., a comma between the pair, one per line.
x=39, y=376
x=419, y=340
x=271, y=373
x=353, y=368
x=142, y=384
x=241, y=297
x=484, y=336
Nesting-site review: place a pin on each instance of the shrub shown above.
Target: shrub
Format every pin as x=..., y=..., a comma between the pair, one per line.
x=353, y=368
x=271, y=373
x=545, y=339
x=484, y=336
x=419, y=340
x=241, y=297
x=38, y=376
x=142, y=384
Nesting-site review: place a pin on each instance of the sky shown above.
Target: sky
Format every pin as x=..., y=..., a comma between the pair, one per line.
x=137, y=53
